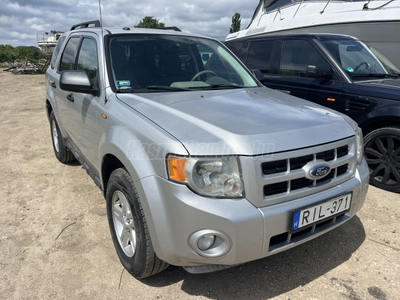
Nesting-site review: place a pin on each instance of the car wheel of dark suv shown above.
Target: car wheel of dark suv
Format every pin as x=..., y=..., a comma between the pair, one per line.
x=382, y=152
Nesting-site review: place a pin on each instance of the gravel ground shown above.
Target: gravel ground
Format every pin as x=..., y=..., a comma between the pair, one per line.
x=55, y=242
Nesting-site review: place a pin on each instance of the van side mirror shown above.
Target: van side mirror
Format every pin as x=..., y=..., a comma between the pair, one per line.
x=322, y=72
x=77, y=81
x=259, y=75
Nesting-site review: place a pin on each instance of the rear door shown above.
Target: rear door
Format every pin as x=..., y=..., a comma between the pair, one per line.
x=290, y=60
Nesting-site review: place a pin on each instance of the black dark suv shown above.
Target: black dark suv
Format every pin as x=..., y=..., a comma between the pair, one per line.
x=342, y=73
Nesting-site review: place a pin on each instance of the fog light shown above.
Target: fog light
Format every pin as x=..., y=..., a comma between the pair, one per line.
x=206, y=241
x=210, y=243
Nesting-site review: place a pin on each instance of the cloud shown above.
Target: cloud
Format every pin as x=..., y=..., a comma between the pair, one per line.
x=20, y=20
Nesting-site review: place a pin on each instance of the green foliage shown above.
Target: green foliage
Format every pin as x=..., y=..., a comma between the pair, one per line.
x=149, y=22
x=236, y=22
x=9, y=53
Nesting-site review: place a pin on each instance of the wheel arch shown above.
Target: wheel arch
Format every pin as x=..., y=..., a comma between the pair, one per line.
x=381, y=123
x=109, y=164
x=49, y=109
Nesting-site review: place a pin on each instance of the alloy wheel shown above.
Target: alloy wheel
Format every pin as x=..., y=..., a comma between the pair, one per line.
x=382, y=155
x=123, y=223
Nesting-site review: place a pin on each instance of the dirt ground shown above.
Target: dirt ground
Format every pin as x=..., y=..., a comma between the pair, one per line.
x=42, y=258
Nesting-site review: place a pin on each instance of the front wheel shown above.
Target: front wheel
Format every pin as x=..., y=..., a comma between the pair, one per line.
x=382, y=152
x=128, y=227
x=61, y=151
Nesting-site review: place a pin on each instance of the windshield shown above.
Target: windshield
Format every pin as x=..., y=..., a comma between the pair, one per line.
x=151, y=62
x=386, y=62
x=356, y=58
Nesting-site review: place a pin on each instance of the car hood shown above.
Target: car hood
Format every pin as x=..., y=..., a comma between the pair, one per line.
x=384, y=88
x=240, y=121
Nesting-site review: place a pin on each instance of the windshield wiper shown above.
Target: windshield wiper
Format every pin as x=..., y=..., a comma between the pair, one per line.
x=215, y=86
x=167, y=88
x=380, y=75
x=154, y=87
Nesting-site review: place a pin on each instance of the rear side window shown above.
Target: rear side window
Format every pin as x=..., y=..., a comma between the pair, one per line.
x=68, y=56
x=235, y=47
x=259, y=56
x=87, y=59
x=296, y=56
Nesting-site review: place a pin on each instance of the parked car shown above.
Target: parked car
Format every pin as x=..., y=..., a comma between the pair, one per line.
x=201, y=166
x=342, y=73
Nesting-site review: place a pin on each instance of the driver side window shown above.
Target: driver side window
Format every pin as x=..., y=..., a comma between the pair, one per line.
x=87, y=59
x=296, y=55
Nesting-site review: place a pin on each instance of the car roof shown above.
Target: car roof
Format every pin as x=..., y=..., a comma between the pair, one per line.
x=133, y=30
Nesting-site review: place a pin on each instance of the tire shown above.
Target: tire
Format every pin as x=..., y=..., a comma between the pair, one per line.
x=128, y=227
x=61, y=151
x=382, y=152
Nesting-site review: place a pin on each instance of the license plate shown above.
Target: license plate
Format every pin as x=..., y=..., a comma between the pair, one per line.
x=321, y=211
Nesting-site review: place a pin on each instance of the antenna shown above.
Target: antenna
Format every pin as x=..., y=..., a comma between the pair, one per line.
x=104, y=58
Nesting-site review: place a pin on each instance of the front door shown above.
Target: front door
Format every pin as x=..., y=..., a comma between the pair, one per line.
x=79, y=111
x=294, y=57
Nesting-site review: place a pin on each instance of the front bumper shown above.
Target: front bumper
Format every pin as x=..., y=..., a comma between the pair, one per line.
x=173, y=213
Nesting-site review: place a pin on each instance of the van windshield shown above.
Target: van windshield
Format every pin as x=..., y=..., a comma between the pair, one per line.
x=152, y=62
x=357, y=59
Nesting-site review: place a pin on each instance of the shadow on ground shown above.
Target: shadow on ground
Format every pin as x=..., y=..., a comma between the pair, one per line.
x=273, y=275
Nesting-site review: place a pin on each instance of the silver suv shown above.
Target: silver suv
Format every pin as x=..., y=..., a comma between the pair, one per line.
x=201, y=166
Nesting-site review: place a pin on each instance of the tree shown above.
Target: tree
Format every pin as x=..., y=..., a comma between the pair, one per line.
x=31, y=52
x=9, y=53
x=235, y=23
x=149, y=22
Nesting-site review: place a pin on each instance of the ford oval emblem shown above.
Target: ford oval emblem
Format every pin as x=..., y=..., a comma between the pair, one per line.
x=320, y=171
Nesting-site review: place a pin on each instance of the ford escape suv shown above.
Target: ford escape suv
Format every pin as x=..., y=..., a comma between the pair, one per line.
x=201, y=166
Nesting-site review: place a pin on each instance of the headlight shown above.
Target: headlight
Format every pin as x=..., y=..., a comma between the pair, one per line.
x=211, y=177
x=360, y=144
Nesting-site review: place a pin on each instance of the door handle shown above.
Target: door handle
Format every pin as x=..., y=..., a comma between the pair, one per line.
x=70, y=97
x=53, y=83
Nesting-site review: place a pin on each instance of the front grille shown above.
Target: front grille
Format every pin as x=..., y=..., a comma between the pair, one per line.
x=342, y=151
x=299, y=162
x=300, y=183
x=296, y=163
x=326, y=155
x=274, y=167
x=279, y=166
x=276, y=188
x=279, y=177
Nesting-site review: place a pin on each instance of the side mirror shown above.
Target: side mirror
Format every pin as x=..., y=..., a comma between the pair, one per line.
x=259, y=75
x=322, y=72
x=77, y=81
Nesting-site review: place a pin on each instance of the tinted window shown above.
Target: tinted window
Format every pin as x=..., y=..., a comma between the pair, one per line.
x=56, y=50
x=235, y=47
x=87, y=59
x=259, y=56
x=68, y=56
x=296, y=56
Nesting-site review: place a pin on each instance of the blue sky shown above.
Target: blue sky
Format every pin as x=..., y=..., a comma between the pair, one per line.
x=21, y=20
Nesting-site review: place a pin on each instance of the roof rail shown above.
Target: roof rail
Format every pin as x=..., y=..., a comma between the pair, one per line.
x=96, y=23
x=174, y=28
